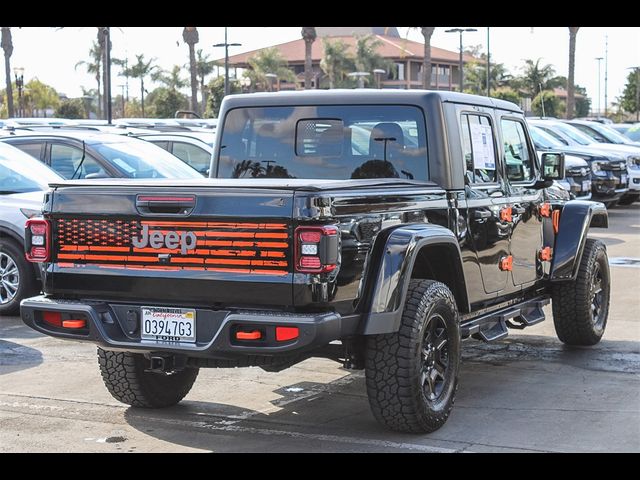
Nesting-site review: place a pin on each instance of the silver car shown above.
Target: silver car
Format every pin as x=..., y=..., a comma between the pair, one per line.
x=23, y=180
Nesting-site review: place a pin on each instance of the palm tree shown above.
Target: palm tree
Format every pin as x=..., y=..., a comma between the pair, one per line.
x=204, y=67
x=102, y=48
x=93, y=65
x=309, y=36
x=427, y=32
x=336, y=61
x=367, y=57
x=170, y=79
x=571, y=100
x=7, y=46
x=536, y=77
x=266, y=62
x=140, y=70
x=191, y=37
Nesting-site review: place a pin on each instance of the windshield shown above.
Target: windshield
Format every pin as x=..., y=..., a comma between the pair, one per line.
x=573, y=133
x=543, y=140
x=21, y=173
x=140, y=159
x=612, y=135
x=634, y=132
x=328, y=142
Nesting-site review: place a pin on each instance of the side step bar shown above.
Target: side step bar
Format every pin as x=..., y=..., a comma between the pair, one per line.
x=494, y=326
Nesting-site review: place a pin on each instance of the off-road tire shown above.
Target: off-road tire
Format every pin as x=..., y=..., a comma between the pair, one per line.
x=27, y=282
x=573, y=302
x=396, y=362
x=124, y=376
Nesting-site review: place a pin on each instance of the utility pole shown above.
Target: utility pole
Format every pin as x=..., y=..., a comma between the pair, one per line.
x=107, y=85
x=606, y=70
x=599, y=59
x=460, y=62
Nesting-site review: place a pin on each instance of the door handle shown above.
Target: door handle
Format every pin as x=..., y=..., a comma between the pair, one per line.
x=165, y=204
x=481, y=214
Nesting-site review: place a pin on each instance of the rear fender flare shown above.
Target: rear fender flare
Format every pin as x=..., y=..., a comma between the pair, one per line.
x=390, y=278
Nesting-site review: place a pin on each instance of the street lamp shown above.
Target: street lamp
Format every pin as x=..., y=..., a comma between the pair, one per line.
x=599, y=59
x=272, y=79
x=19, y=74
x=460, y=64
x=378, y=72
x=360, y=76
x=226, y=46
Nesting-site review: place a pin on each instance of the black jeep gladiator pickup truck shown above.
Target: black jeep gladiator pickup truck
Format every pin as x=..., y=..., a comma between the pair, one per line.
x=376, y=228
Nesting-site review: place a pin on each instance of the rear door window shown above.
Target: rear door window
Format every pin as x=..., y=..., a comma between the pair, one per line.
x=328, y=142
x=68, y=161
x=478, y=149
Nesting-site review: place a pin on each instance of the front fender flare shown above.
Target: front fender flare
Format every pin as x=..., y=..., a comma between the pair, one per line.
x=575, y=219
x=390, y=280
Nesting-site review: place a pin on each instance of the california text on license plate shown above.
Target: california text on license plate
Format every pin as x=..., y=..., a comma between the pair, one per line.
x=168, y=324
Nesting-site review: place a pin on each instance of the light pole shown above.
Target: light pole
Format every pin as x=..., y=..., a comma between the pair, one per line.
x=488, y=66
x=226, y=46
x=460, y=63
x=360, y=77
x=272, y=78
x=378, y=72
x=19, y=74
x=599, y=59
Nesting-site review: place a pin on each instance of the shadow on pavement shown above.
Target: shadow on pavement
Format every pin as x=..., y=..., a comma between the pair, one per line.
x=15, y=357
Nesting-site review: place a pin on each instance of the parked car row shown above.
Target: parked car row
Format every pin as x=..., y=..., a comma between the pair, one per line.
x=612, y=160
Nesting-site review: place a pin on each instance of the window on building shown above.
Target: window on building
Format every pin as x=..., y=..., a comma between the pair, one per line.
x=400, y=71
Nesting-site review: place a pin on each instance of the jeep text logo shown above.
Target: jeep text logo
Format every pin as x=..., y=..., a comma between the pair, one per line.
x=186, y=240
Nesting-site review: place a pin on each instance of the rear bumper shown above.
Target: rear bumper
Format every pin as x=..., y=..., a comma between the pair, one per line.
x=110, y=326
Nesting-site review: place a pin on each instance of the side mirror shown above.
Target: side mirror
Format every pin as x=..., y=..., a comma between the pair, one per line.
x=552, y=166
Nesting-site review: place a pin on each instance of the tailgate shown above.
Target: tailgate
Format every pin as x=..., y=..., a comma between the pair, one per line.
x=208, y=246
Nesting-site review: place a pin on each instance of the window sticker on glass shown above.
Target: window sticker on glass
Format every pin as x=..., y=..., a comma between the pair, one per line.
x=482, y=141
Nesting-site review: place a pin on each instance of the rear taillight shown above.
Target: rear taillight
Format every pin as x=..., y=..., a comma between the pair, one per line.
x=37, y=240
x=316, y=249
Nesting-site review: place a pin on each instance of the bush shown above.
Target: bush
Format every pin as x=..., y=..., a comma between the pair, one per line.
x=506, y=93
x=71, y=108
x=552, y=105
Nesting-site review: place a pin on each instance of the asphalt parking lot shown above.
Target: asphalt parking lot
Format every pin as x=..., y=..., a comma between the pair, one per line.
x=525, y=393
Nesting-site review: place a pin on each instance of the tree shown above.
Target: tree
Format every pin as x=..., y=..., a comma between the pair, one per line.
x=71, y=108
x=191, y=37
x=553, y=107
x=7, y=46
x=93, y=66
x=170, y=78
x=629, y=99
x=505, y=93
x=583, y=103
x=39, y=97
x=140, y=70
x=166, y=101
x=536, y=76
x=427, y=32
x=204, y=67
x=367, y=57
x=475, y=76
x=216, y=90
x=309, y=36
x=573, y=34
x=336, y=62
x=267, y=61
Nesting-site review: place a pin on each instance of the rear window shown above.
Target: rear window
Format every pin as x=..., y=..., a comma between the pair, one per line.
x=327, y=142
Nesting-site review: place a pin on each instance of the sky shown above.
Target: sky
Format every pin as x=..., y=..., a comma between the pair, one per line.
x=51, y=54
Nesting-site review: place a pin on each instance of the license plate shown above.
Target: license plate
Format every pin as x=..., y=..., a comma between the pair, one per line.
x=168, y=324
x=623, y=179
x=586, y=186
